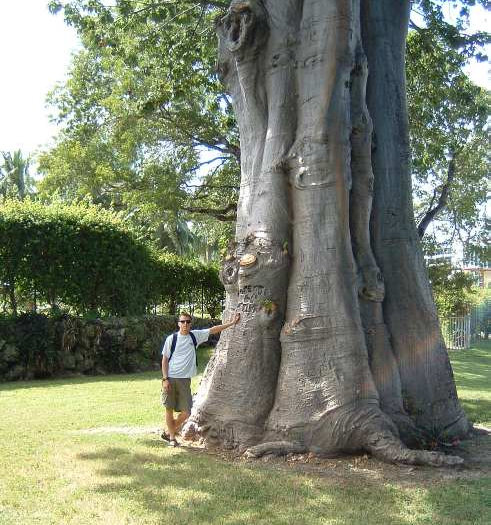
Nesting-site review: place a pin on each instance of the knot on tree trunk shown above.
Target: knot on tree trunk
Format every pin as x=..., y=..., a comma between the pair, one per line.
x=372, y=284
x=229, y=272
x=244, y=27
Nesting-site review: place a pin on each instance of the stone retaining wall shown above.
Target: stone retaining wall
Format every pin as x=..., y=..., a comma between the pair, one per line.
x=36, y=346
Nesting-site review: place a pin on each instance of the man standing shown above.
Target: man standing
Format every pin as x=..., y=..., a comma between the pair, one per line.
x=178, y=366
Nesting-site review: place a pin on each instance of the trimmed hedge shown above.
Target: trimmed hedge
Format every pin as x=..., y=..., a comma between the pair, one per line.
x=181, y=281
x=87, y=259
x=38, y=346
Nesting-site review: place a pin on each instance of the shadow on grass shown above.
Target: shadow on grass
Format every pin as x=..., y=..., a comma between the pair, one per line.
x=191, y=487
x=478, y=357
x=472, y=372
x=188, y=487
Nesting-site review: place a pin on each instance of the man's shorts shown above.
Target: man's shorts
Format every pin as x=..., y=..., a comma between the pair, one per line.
x=179, y=398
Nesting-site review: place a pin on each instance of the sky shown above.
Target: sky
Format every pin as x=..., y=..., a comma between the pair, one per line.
x=35, y=52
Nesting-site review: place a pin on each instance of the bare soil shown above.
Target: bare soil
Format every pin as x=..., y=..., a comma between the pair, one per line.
x=475, y=451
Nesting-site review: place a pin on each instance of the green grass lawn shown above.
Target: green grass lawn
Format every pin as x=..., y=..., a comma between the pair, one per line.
x=472, y=370
x=65, y=460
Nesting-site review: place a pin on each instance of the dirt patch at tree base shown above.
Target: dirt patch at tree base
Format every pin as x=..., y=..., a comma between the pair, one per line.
x=475, y=451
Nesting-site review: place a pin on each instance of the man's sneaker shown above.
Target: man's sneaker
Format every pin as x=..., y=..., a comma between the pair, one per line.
x=165, y=436
x=173, y=443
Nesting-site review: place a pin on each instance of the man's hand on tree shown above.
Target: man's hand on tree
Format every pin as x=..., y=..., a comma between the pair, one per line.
x=221, y=327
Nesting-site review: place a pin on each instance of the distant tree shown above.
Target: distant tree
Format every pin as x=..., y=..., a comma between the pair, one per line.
x=15, y=180
x=453, y=290
x=448, y=132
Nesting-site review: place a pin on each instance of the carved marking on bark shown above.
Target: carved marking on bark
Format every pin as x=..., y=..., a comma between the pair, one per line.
x=250, y=298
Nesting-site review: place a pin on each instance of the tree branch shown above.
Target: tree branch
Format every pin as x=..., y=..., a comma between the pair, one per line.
x=227, y=214
x=221, y=144
x=432, y=212
x=206, y=186
x=206, y=162
x=414, y=26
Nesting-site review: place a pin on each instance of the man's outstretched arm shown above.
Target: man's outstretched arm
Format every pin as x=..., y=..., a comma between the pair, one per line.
x=221, y=327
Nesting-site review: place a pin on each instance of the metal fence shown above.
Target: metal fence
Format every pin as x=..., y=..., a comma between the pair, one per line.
x=457, y=332
x=481, y=321
x=460, y=333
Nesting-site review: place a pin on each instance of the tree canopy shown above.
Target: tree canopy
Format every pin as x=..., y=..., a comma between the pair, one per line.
x=448, y=116
x=144, y=114
x=148, y=127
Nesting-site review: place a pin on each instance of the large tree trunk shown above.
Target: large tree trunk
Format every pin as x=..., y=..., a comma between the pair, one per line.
x=327, y=357
x=428, y=387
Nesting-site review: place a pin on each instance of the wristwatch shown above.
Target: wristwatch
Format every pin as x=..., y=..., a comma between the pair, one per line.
x=165, y=379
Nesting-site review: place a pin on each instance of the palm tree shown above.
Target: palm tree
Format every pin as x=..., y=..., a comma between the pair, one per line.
x=15, y=180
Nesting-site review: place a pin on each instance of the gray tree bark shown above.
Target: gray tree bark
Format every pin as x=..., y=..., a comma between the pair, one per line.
x=338, y=348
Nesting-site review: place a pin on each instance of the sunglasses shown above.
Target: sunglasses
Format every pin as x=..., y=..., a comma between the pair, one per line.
x=187, y=321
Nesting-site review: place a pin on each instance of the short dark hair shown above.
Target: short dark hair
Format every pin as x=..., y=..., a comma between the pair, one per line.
x=185, y=314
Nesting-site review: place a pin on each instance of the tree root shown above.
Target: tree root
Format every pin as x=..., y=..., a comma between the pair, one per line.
x=367, y=429
x=353, y=428
x=397, y=453
x=385, y=446
x=192, y=432
x=391, y=451
x=276, y=448
x=410, y=434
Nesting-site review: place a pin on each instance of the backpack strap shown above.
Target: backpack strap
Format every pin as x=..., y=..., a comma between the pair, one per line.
x=195, y=343
x=173, y=345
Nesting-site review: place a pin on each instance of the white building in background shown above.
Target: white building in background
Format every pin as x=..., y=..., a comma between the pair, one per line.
x=479, y=265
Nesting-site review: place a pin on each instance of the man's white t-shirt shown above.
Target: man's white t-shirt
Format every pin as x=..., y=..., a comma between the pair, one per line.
x=183, y=362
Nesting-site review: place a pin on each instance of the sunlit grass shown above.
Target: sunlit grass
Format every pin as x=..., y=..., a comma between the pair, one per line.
x=472, y=370
x=66, y=459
